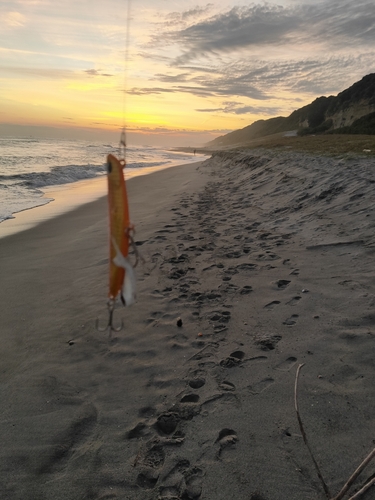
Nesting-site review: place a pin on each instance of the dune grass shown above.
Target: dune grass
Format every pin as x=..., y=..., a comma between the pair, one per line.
x=330, y=144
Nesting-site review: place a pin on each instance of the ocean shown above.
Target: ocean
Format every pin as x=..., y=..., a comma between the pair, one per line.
x=29, y=167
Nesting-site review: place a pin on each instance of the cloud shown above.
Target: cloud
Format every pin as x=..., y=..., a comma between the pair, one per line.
x=207, y=88
x=313, y=75
x=92, y=72
x=340, y=21
x=148, y=90
x=240, y=109
x=181, y=77
x=198, y=11
x=238, y=28
x=174, y=18
x=263, y=52
x=207, y=84
x=289, y=82
x=95, y=72
x=14, y=19
x=330, y=22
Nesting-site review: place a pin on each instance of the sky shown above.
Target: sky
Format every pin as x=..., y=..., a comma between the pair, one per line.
x=175, y=73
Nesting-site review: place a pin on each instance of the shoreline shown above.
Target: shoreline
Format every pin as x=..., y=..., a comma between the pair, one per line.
x=268, y=261
x=65, y=198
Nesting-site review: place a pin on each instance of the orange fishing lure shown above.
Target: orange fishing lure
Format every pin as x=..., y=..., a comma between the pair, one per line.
x=121, y=272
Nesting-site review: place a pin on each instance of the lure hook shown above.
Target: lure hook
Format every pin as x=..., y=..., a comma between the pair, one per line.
x=110, y=327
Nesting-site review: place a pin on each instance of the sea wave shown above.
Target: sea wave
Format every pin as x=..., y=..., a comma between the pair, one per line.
x=144, y=164
x=58, y=175
x=29, y=166
x=66, y=174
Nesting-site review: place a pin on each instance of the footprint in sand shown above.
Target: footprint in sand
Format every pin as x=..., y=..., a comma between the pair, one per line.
x=176, y=274
x=182, y=482
x=193, y=483
x=173, y=483
x=279, y=243
x=167, y=423
x=227, y=439
x=286, y=365
x=282, y=284
x=212, y=295
x=186, y=237
x=233, y=255
x=210, y=268
x=227, y=386
x=253, y=226
x=233, y=359
x=231, y=271
x=246, y=267
x=197, y=383
x=261, y=386
x=294, y=300
x=268, y=267
x=228, y=288
x=291, y=321
x=272, y=304
x=220, y=316
x=295, y=272
x=178, y=259
x=147, y=479
x=190, y=398
x=267, y=342
x=154, y=457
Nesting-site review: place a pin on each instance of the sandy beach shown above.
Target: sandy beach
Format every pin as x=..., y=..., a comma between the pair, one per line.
x=268, y=259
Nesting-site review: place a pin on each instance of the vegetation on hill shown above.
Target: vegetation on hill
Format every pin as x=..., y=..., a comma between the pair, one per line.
x=364, y=125
x=333, y=114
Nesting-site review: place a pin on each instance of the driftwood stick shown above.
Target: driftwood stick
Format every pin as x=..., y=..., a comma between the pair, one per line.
x=325, y=487
x=354, y=476
x=362, y=490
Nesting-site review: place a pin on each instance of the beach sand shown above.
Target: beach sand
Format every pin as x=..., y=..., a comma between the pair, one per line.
x=268, y=259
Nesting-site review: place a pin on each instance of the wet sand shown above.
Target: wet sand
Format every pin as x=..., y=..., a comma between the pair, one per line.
x=268, y=259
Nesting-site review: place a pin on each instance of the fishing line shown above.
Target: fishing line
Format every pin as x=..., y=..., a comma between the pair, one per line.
x=122, y=148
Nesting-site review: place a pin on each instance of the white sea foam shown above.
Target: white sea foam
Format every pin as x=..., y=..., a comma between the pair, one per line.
x=28, y=166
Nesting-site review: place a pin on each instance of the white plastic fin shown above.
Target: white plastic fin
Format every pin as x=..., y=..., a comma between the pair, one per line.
x=129, y=285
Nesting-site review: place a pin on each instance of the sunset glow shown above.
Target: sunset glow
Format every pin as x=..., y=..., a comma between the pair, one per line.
x=193, y=70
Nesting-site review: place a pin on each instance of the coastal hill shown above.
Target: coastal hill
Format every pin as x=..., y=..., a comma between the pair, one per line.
x=350, y=112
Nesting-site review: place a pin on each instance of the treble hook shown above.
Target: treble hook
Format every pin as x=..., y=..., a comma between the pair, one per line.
x=110, y=327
